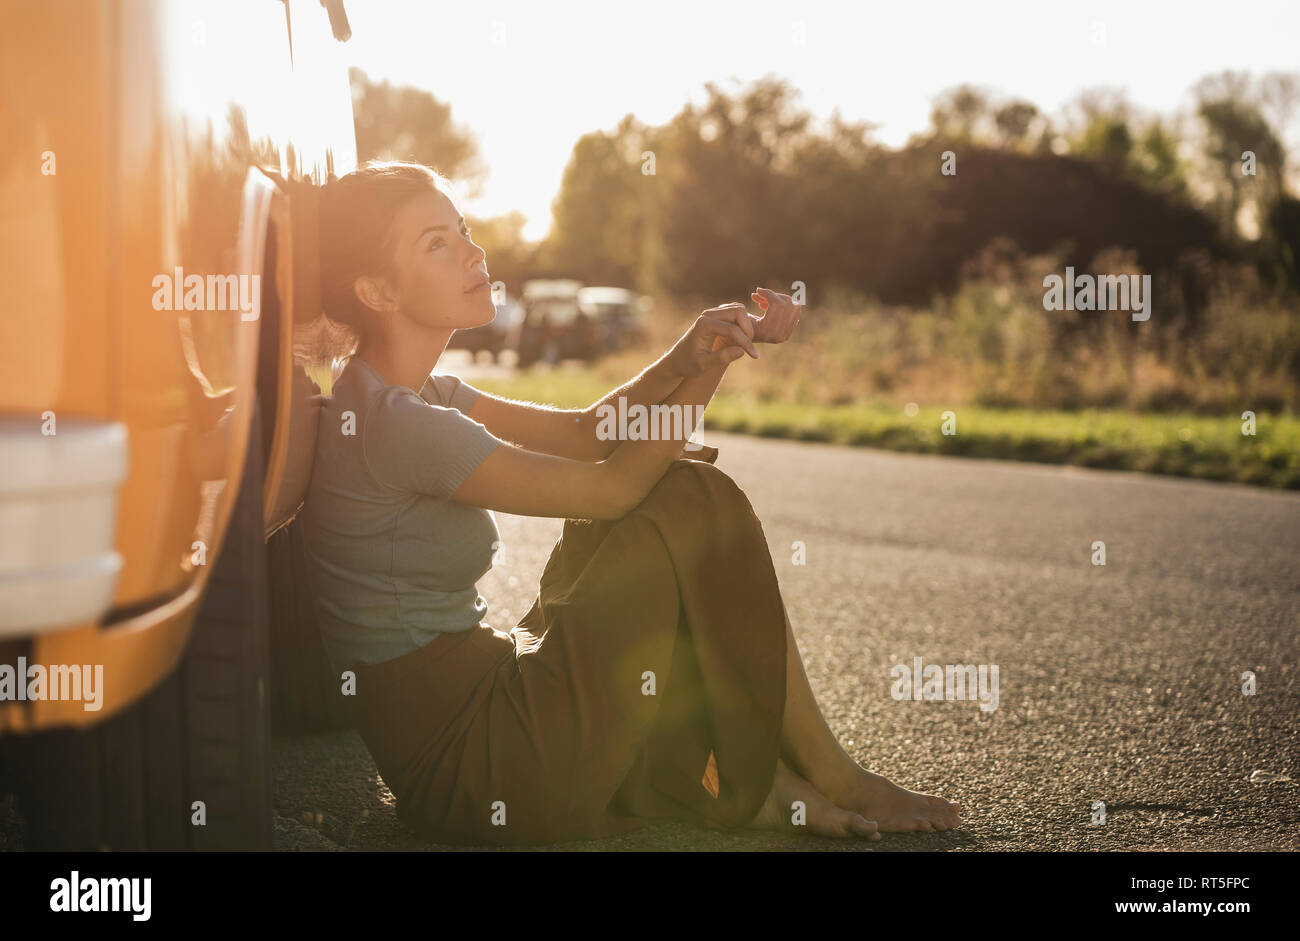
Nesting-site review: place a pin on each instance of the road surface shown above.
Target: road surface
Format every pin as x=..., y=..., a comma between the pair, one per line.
x=1118, y=684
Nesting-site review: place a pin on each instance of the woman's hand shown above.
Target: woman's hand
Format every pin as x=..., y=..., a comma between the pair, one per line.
x=780, y=315
x=718, y=337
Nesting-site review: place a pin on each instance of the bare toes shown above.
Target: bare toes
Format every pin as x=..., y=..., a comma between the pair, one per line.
x=861, y=826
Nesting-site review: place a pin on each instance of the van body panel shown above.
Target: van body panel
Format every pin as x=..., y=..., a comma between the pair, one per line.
x=145, y=134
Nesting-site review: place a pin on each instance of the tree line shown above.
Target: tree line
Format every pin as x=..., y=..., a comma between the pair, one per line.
x=749, y=186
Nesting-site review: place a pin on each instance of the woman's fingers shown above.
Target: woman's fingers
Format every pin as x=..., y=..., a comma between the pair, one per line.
x=718, y=336
x=766, y=297
x=722, y=356
x=728, y=330
x=737, y=314
x=721, y=309
x=781, y=315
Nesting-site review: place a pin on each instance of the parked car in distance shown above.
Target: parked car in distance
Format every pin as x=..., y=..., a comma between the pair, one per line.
x=554, y=328
x=619, y=315
x=495, y=337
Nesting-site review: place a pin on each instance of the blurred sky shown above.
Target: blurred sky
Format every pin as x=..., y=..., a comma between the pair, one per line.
x=529, y=78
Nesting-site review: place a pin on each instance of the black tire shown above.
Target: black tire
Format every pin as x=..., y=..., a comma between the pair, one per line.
x=304, y=689
x=129, y=783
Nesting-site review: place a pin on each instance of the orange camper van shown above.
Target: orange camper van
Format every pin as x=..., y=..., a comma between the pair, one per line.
x=160, y=162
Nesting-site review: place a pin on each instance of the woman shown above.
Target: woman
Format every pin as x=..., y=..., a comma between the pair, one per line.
x=655, y=676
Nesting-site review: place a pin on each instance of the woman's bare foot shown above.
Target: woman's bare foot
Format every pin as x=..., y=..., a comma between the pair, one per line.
x=820, y=815
x=895, y=809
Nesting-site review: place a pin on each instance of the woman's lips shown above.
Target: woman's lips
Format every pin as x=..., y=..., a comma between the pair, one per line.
x=481, y=287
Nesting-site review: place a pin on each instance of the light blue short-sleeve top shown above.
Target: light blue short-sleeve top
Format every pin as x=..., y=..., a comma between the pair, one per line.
x=394, y=562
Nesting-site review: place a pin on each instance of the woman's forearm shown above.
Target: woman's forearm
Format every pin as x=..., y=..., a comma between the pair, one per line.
x=643, y=461
x=651, y=386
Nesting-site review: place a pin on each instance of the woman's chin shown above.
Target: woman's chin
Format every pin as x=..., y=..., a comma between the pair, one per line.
x=480, y=314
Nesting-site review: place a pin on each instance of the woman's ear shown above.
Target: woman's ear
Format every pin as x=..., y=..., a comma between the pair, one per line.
x=373, y=292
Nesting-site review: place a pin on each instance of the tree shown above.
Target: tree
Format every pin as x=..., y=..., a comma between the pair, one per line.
x=1098, y=127
x=1283, y=236
x=1234, y=129
x=962, y=115
x=1103, y=125
x=1157, y=160
x=602, y=212
x=727, y=191
x=397, y=122
x=1013, y=121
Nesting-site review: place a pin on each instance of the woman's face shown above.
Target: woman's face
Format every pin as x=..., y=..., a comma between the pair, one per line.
x=442, y=275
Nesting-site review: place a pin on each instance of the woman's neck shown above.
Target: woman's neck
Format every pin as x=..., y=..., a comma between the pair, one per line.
x=407, y=362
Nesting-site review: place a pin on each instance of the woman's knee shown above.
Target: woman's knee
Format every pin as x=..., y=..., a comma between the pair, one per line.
x=694, y=493
x=699, y=478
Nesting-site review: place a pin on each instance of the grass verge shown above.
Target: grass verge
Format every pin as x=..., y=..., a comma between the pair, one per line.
x=1212, y=448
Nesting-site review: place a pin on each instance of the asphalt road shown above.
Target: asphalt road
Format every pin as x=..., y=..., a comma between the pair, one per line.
x=1118, y=683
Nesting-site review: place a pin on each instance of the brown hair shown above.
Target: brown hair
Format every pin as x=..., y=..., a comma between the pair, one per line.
x=356, y=237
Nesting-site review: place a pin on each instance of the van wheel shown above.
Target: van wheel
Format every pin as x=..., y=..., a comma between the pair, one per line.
x=203, y=734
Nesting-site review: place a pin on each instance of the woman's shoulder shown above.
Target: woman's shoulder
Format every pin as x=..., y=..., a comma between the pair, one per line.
x=362, y=408
x=362, y=390
x=408, y=442
x=402, y=420
x=399, y=418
